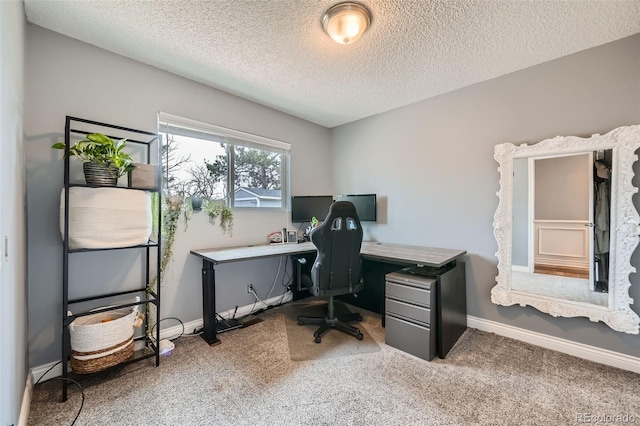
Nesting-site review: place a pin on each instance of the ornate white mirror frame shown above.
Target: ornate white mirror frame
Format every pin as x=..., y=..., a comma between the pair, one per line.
x=624, y=219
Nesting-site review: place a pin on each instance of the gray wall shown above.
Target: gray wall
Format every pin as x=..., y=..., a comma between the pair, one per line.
x=562, y=188
x=442, y=150
x=67, y=77
x=13, y=286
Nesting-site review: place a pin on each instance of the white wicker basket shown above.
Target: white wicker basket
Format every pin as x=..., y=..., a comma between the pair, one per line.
x=107, y=217
x=103, y=339
x=102, y=330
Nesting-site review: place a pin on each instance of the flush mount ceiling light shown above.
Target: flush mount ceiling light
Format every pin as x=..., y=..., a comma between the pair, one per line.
x=346, y=22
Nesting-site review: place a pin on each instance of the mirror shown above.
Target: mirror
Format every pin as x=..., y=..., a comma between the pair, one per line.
x=566, y=226
x=561, y=231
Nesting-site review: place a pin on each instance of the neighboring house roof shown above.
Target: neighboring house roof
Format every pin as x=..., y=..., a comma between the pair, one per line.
x=262, y=193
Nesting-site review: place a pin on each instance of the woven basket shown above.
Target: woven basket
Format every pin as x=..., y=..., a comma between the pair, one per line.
x=83, y=363
x=107, y=217
x=102, y=340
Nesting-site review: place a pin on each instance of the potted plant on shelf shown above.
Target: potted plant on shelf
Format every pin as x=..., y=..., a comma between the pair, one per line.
x=104, y=159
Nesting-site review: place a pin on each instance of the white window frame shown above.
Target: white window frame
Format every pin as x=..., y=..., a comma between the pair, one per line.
x=174, y=124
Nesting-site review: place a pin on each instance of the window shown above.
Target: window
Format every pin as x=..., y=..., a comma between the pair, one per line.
x=216, y=163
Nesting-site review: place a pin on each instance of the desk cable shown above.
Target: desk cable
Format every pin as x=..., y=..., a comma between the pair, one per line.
x=273, y=285
x=275, y=279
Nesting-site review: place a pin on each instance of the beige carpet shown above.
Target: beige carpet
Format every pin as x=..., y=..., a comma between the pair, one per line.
x=250, y=380
x=334, y=343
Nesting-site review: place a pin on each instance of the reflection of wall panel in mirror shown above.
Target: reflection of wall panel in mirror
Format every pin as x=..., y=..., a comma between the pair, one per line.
x=563, y=245
x=517, y=283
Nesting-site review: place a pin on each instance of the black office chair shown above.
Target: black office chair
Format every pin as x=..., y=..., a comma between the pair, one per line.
x=337, y=269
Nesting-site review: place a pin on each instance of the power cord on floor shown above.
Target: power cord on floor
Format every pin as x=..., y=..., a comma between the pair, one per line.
x=164, y=319
x=45, y=373
x=81, y=393
x=182, y=334
x=38, y=383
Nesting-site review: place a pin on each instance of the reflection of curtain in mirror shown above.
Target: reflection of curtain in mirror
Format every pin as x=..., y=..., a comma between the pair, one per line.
x=602, y=188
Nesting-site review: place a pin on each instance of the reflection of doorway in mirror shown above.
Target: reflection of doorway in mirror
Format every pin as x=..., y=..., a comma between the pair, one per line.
x=562, y=215
x=553, y=228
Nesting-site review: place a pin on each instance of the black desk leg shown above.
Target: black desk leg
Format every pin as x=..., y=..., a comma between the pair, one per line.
x=209, y=303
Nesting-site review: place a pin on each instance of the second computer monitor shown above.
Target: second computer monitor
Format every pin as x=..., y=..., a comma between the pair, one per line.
x=365, y=205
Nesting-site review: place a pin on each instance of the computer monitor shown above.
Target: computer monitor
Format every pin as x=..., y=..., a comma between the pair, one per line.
x=304, y=207
x=365, y=205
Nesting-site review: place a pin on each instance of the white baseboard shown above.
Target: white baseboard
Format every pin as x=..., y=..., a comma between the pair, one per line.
x=26, y=402
x=591, y=353
x=37, y=373
x=518, y=268
x=173, y=332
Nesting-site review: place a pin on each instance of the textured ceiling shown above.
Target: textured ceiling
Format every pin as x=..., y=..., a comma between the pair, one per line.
x=275, y=52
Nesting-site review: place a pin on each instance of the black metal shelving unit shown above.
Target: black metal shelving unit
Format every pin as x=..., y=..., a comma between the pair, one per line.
x=147, y=141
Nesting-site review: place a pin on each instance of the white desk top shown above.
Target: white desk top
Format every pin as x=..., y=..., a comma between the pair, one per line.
x=253, y=252
x=427, y=256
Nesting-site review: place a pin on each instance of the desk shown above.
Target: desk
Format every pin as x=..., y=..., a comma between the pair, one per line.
x=379, y=252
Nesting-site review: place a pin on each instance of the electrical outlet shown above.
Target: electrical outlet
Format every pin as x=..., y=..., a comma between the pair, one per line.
x=250, y=288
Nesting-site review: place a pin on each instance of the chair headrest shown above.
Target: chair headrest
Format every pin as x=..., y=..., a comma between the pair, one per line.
x=342, y=217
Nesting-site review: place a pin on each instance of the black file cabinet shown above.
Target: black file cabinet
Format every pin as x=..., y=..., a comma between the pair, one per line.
x=410, y=314
x=425, y=309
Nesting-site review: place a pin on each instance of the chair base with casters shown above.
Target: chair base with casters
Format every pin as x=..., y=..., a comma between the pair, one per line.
x=331, y=321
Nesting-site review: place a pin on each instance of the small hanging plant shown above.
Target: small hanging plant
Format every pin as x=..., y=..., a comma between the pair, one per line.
x=217, y=210
x=176, y=206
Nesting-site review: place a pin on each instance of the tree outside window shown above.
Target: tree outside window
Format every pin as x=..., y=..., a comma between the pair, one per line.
x=198, y=167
